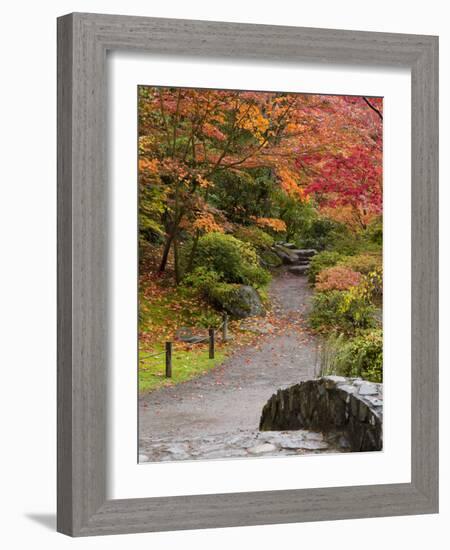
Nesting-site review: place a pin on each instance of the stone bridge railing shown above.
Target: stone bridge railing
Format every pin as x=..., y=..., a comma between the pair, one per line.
x=332, y=403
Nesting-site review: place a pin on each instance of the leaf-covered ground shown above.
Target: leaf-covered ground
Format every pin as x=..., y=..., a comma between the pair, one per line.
x=164, y=309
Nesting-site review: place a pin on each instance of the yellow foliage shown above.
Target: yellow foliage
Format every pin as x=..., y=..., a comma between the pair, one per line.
x=290, y=184
x=203, y=182
x=250, y=118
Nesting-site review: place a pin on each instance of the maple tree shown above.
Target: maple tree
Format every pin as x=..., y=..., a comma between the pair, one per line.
x=347, y=179
x=186, y=136
x=322, y=148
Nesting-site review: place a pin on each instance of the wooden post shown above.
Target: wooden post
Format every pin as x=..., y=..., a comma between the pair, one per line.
x=168, y=359
x=211, y=343
x=225, y=327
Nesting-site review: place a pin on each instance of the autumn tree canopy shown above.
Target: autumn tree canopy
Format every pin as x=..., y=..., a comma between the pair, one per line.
x=195, y=145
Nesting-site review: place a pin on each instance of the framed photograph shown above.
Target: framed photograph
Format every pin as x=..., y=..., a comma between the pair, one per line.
x=247, y=274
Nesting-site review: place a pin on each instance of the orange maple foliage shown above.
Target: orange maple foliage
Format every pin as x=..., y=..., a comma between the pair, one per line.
x=206, y=223
x=272, y=223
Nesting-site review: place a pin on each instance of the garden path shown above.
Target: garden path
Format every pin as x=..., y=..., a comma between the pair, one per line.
x=217, y=414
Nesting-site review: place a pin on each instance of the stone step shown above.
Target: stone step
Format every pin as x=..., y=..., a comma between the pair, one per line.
x=285, y=256
x=304, y=252
x=298, y=269
x=293, y=256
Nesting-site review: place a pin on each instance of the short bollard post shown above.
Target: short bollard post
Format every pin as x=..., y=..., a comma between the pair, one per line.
x=168, y=359
x=225, y=327
x=211, y=343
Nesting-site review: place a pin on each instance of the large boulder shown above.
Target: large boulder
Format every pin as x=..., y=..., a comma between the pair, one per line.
x=269, y=259
x=243, y=301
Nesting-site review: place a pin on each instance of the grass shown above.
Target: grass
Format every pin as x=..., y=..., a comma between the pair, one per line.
x=186, y=364
x=164, y=309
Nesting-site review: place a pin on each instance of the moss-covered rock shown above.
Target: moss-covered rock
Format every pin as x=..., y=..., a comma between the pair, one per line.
x=270, y=259
x=239, y=301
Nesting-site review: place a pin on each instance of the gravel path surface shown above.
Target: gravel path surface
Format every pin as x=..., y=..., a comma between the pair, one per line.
x=217, y=415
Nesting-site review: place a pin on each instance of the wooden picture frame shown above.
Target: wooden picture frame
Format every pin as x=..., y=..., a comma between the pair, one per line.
x=83, y=41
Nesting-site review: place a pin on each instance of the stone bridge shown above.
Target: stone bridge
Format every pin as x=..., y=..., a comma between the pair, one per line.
x=329, y=404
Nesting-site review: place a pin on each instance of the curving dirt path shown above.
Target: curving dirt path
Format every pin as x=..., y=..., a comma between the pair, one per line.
x=217, y=414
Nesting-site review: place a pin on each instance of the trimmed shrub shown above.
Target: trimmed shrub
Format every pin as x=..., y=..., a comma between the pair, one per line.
x=233, y=260
x=257, y=237
x=337, y=278
x=321, y=261
x=240, y=301
x=203, y=280
x=346, y=311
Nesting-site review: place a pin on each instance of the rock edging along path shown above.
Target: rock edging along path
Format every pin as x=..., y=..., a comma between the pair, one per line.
x=217, y=415
x=331, y=403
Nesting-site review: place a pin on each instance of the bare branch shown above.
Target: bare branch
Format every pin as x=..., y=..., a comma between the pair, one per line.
x=373, y=108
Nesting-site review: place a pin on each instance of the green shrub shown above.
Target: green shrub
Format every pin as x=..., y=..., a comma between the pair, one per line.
x=345, y=311
x=372, y=286
x=326, y=234
x=210, y=286
x=203, y=280
x=374, y=231
x=321, y=261
x=363, y=263
x=233, y=260
x=347, y=244
x=220, y=294
x=258, y=238
x=320, y=233
x=360, y=356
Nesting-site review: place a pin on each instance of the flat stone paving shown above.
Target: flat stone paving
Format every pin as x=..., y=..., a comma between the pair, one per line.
x=239, y=445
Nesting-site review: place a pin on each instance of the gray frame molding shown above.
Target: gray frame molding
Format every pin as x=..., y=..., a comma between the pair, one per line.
x=83, y=40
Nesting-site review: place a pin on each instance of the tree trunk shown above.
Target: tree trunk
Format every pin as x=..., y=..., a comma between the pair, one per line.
x=176, y=260
x=193, y=251
x=165, y=256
